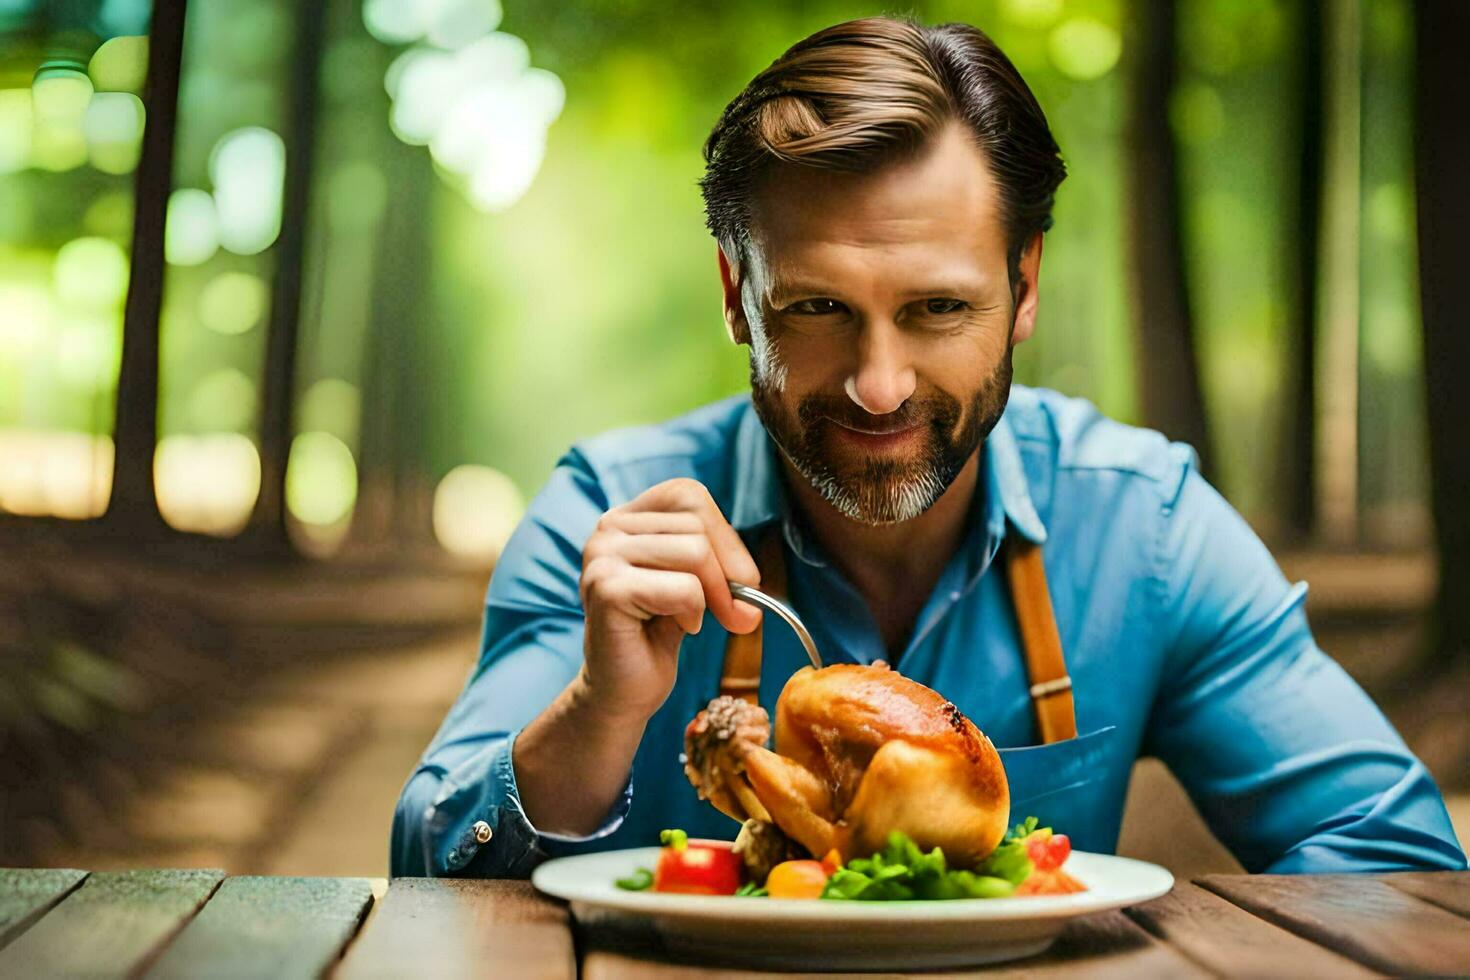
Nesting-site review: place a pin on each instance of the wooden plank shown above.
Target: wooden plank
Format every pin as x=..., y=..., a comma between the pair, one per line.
x=607, y=964
x=282, y=928
x=453, y=927
x=1447, y=889
x=1228, y=940
x=1360, y=916
x=1105, y=945
x=112, y=926
x=26, y=894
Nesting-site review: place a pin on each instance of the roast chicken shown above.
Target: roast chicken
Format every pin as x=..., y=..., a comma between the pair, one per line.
x=860, y=751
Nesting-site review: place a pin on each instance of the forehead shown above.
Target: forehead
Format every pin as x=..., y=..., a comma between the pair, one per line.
x=939, y=205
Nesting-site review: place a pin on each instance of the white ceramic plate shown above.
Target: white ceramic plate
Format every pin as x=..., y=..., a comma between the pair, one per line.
x=833, y=935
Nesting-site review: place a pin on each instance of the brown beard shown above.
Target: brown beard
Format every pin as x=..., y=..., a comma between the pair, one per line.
x=879, y=490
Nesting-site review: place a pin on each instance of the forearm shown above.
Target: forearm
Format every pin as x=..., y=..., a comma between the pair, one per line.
x=572, y=762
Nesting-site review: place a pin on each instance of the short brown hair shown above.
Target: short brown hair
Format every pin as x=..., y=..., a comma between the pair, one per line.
x=853, y=95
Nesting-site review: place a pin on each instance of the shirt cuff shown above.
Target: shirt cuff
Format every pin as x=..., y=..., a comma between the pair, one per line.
x=482, y=828
x=545, y=841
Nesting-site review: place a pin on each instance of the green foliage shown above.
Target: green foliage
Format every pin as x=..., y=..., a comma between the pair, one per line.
x=593, y=302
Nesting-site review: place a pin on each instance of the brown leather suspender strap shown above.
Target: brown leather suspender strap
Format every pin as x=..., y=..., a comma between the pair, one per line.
x=1051, y=687
x=741, y=675
x=1041, y=644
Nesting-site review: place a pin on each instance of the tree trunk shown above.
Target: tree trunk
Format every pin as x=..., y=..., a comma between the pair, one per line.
x=1299, y=426
x=268, y=532
x=1442, y=145
x=132, y=510
x=1169, y=378
x=392, y=511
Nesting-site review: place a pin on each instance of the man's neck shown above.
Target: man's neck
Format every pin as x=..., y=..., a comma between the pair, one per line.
x=893, y=566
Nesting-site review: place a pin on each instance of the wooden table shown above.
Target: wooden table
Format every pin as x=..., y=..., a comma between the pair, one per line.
x=204, y=924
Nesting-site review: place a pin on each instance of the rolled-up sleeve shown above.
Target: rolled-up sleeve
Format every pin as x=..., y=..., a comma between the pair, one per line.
x=460, y=812
x=1289, y=761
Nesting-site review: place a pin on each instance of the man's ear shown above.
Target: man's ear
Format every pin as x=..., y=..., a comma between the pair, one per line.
x=735, y=322
x=1026, y=290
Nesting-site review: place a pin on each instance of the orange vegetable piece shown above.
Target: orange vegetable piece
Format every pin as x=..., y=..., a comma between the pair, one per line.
x=797, y=879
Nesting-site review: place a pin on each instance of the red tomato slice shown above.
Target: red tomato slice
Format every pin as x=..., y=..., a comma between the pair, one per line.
x=1048, y=853
x=700, y=868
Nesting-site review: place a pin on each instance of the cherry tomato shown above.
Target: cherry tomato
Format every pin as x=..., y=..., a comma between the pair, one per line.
x=1048, y=852
x=700, y=867
x=797, y=879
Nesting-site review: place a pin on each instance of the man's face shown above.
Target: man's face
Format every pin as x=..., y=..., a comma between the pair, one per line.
x=880, y=319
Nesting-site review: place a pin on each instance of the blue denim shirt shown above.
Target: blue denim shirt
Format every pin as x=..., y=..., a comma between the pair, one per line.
x=1182, y=638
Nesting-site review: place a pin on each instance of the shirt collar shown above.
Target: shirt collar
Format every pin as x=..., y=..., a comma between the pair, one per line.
x=759, y=497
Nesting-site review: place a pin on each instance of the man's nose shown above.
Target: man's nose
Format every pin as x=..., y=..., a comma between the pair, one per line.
x=884, y=378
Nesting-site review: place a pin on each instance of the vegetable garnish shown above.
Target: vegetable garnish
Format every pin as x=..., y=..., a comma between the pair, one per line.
x=700, y=867
x=902, y=871
x=1028, y=861
x=640, y=880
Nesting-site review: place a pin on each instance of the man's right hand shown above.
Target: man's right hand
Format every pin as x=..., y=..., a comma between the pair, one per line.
x=649, y=571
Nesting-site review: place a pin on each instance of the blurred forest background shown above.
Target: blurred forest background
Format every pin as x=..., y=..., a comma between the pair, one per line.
x=300, y=302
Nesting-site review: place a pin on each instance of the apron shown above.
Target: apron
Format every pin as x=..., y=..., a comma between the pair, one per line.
x=1063, y=780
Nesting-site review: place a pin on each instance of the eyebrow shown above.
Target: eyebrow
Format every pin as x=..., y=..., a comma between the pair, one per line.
x=790, y=290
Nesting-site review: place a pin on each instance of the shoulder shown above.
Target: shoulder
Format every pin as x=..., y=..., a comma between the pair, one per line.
x=1062, y=438
x=625, y=462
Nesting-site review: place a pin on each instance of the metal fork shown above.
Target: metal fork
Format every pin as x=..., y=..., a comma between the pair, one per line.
x=758, y=598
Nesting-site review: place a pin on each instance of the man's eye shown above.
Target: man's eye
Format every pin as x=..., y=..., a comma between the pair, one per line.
x=816, y=307
x=939, y=307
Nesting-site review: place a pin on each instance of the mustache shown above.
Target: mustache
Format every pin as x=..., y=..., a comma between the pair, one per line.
x=938, y=410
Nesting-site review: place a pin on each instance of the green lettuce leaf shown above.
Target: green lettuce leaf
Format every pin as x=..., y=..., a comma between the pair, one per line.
x=903, y=871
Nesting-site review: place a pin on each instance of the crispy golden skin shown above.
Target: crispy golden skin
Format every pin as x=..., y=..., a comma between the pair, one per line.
x=860, y=751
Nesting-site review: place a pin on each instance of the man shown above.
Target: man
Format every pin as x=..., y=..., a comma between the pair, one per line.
x=879, y=197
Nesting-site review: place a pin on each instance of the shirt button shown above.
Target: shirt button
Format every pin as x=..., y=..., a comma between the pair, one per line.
x=954, y=597
x=482, y=830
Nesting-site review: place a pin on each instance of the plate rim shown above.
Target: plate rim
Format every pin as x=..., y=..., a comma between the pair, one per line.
x=1009, y=909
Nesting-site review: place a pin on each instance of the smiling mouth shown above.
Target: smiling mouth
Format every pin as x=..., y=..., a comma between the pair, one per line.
x=876, y=431
x=879, y=431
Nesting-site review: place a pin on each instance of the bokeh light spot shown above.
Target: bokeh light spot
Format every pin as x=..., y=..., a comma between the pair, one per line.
x=27, y=320
x=59, y=97
x=233, y=302
x=114, y=130
x=60, y=474
x=91, y=274
x=475, y=510
x=120, y=65
x=110, y=215
x=207, y=484
x=223, y=400
x=248, y=168
x=1031, y=13
x=321, y=479
x=1084, y=49
x=88, y=349
x=190, y=236
x=1197, y=113
x=395, y=21
x=455, y=23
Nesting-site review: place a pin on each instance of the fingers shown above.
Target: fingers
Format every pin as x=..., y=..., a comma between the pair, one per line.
x=674, y=550
x=644, y=593
x=690, y=553
x=684, y=499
